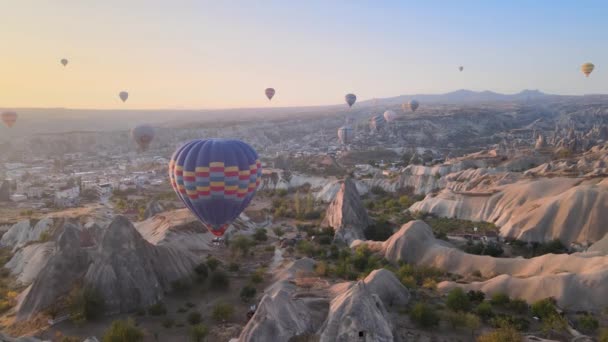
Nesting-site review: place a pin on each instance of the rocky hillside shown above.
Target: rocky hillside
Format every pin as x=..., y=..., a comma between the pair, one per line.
x=346, y=214
x=300, y=304
x=582, y=275
x=127, y=270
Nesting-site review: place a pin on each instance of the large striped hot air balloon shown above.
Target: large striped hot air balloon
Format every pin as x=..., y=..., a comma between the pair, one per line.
x=143, y=135
x=9, y=118
x=350, y=99
x=587, y=68
x=269, y=93
x=377, y=122
x=390, y=116
x=216, y=179
x=345, y=134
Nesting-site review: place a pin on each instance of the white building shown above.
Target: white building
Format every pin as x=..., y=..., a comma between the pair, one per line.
x=68, y=197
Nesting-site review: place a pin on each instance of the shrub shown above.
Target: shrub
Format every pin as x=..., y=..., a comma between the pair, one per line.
x=544, y=308
x=85, y=304
x=219, y=280
x=180, y=286
x=194, y=318
x=484, y=310
x=213, y=263
x=603, y=335
x=517, y=305
x=321, y=269
x=241, y=244
x=190, y=304
x=424, y=316
x=503, y=334
x=260, y=235
x=278, y=231
x=408, y=281
x=222, y=312
x=123, y=331
x=458, y=300
x=157, y=309
x=456, y=319
x=201, y=271
x=198, y=332
x=70, y=339
x=429, y=284
x=500, y=299
x=247, y=293
x=588, y=323
x=476, y=296
x=379, y=231
x=258, y=276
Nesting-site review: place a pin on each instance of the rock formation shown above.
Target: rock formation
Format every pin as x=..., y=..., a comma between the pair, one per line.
x=5, y=191
x=346, y=214
x=58, y=276
x=24, y=232
x=574, y=280
x=130, y=272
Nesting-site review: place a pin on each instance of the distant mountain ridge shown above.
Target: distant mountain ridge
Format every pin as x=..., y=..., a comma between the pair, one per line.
x=469, y=96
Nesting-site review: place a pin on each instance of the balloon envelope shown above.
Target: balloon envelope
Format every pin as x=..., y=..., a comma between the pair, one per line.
x=143, y=135
x=377, y=122
x=64, y=62
x=413, y=105
x=345, y=134
x=350, y=99
x=390, y=116
x=216, y=179
x=269, y=93
x=461, y=68
x=123, y=96
x=587, y=68
x=9, y=118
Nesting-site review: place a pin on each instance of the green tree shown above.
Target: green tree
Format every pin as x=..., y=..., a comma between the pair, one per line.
x=198, y=332
x=278, y=231
x=484, y=310
x=219, y=280
x=424, y=316
x=500, y=299
x=222, y=312
x=260, y=234
x=472, y=322
x=194, y=317
x=458, y=300
x=213, y=263
x=247, y=293
x=85, y=304
x=502, y=334
x=241, y=244
x=603, y=335
x=553, y=322
x=588, y=323
x=544, y=308
x=123, y=331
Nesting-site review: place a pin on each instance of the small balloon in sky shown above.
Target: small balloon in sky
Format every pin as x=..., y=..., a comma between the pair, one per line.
x=123, y=96
x=64, y=61
x=587, y=68
x=9, y=118
x=350, y=99
x=269, y=93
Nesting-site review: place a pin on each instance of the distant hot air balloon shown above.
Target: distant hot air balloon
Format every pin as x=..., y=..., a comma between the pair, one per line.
x=377, y=122
x=587, y=68
x=123, y=96
x=350, y=99
x=345, y=134
x=143, y=135
x=269, y=93
x=216, y=179
x=390, y=116
x=413, y=105
x=461, y=68
x=64, y=61
x=9, y=118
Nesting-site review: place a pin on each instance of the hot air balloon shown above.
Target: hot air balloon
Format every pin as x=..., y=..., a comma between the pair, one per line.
x=216, y=179
x=64, y=61
x=587, y=68
x=270, y=93
x=377, y=122
x=390, y=116
x=350, y=99
x=9, y=118
x=123, y=96
x=461, y=68
x=143, y=135
x=413, y=105
x=345, y=134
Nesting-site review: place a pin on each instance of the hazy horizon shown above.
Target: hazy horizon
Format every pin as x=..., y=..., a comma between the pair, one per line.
x=202, y=55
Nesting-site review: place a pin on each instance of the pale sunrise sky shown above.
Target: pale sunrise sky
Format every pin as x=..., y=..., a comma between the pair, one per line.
x=214, y=54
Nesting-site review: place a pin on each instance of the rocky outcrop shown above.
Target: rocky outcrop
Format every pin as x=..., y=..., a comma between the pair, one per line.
x=58, y=276
x=298, y=304
x=130, y=272
x=153, y=208
x=28, y=261
x=357, y=315
x=575, y=280
x=346, y=214
x=24, y=232
x=600, y=247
